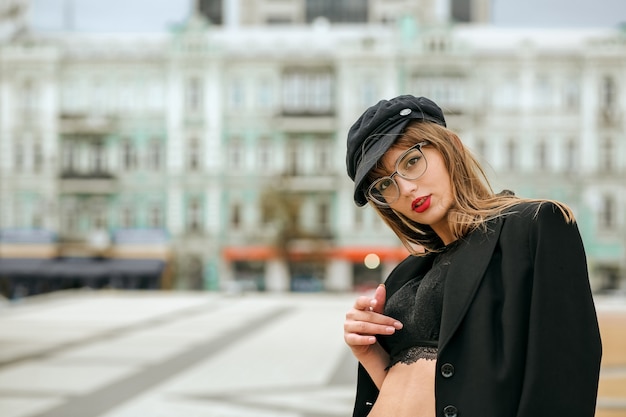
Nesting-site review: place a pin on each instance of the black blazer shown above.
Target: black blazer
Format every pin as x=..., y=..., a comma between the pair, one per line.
x=519, y=333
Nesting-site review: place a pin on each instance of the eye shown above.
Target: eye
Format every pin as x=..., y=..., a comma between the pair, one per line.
x=411, y=161
x=383, y=184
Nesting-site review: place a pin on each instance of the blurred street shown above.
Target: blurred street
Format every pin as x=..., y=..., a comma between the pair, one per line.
x=131, y=354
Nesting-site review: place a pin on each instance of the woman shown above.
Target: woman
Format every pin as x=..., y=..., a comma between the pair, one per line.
x=492, y=314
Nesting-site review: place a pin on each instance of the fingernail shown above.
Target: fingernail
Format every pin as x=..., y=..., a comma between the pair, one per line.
x=381, y=285
x=397, y=325
x=390, y=330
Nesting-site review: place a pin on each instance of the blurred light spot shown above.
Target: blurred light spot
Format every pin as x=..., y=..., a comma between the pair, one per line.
x=372, y=261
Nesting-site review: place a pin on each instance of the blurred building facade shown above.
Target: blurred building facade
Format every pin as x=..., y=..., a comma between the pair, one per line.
x=228, y=133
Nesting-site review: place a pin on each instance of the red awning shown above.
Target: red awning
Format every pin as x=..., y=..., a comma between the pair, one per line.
x=351, y=253
x=358, y=253
x=249, y=253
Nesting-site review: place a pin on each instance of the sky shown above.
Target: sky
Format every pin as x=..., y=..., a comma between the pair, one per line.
x=159, y=15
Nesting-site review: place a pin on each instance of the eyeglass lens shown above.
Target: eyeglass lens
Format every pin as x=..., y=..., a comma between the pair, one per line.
x=410, y=166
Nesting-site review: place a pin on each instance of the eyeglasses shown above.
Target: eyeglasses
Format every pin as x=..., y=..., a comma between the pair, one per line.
x=410, y=165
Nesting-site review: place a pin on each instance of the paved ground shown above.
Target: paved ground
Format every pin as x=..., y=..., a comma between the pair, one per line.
x=162, y=354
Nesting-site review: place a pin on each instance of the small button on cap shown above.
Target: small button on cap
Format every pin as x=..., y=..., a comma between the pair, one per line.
x=405, y=112
x=447, y=370
x=450, y=411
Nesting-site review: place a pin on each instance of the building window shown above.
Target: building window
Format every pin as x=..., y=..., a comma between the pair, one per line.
x=127, y=220
x=543, y=92
x=308, y=92
x=37, y=157
x=608, y=92
x=323, y=215
x=193, y=95
x=369, y=92
x=68, y=162
x=237, y=94
x=129, y=156
x=98, y=160
x=323, y=163
x=608, y=211
x=506, y=93
x=267, y=211
x=348, y=11
x=572, y=94
x=447, y=91
x=606, y=155
x=461, y=11
x=541, y=156
x=98, y=215
x=264, y=94
x=571, y=156
x=511, y=154
x=18, y=157
x=28, y=96
x=235, y=215
x=264, y=153
x=438, y=44
x=235, y=155
x=128, y=96
x=194, y=215
x=212, y=9
x=98, y=95
x=155, y=155
x=69, y=216
x=293, y=163
x=193, y=155
x=156, y=217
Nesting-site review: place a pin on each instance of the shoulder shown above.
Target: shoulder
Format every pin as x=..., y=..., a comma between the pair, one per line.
x=537, y=211
x=533, y=221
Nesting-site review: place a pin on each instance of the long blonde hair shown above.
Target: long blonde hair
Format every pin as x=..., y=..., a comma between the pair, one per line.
x=474, y=200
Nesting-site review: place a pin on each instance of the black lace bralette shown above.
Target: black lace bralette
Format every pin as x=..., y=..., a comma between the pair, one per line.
x=418, y=305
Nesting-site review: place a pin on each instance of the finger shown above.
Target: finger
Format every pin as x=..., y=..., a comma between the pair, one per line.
x=353, y=339
x=368, y=328
x=380, y=296
x=362, y=303
x=367, y=316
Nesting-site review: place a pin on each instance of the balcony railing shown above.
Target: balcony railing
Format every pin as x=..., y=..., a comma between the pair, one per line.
x=94, y=182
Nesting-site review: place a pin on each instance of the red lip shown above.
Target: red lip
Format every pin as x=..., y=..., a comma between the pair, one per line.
x=421, y=204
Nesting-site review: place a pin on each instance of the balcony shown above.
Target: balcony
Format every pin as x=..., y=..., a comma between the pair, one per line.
x=72, y=182
x=86, y=124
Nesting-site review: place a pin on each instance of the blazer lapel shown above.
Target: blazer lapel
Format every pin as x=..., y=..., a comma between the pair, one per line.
x=464, y=276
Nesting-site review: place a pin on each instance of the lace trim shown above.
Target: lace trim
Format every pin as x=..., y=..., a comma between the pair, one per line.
x=413, y=354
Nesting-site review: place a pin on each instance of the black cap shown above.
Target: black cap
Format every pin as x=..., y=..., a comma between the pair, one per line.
x=378, y=128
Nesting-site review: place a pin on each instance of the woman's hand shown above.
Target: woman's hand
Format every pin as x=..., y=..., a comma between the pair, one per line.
x=365, y=320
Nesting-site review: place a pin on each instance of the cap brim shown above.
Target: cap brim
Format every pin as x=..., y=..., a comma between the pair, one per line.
x=373, y=155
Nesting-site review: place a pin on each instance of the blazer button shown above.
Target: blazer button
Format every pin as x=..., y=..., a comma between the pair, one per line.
x=450, y=411
x=447, y=370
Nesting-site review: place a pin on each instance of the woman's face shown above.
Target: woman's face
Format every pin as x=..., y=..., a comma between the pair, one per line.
x=427, y=199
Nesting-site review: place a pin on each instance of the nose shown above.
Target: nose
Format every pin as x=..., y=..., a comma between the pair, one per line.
x=405, y=186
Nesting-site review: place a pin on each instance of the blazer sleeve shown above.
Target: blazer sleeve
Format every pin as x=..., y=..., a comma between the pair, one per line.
x=366, y=393
x=564, y=346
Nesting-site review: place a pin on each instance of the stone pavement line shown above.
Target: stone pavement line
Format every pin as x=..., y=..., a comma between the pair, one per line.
x=107, y=334
x=311, y=399
x=333, y=399
x=102, y=400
